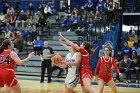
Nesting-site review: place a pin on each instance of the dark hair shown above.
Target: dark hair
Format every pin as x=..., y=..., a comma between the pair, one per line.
x=4, y=45
x=110, y=49
x=87, y=47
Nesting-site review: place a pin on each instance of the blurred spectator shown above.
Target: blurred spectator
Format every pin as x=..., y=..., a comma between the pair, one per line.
x=8, y=17
x=130, y=42
x=82, y=12
x=13, y=19
x=97, y=16
x=89, y=5
x=10, y=10
x=26, y=35
x=108, y=5
x=29, y=20
x=83, y=23
x=17, y=9
x=8, y=26
x=53, y=6
x=2, y=22
x=125, y=66
x=118, y=59
x=135, y=64
x=101, y=5
x=36, y=18
x=64, y=6
x=18, y=42
x=101, y=51
x=75, y=23
x=31, y=9
x=90, y=26
x=66, y=22
x=2, y=17
x=42, y=22
x=47, y=11
x=134, y=37
x=126, y=50
x=32, y=31
x=14, y=33
x=7, y=33
x=5, y=7
x=21, y=19
x=137, y=49
x=80, y=31
x=38, y=46
x=74, y=13
x=41, y=8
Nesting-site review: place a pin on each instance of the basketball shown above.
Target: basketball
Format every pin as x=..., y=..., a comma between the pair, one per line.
x=57, y=59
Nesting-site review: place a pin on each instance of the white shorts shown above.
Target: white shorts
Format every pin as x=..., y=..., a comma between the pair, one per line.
x=71, y=80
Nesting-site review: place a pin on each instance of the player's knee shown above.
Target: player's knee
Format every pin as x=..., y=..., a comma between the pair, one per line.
x=88, y=89
x=100, y=88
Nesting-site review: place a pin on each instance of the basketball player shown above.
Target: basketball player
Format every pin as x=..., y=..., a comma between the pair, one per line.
x=104, y=66
x=72, y=60
x=8, y=61
x=85, y=71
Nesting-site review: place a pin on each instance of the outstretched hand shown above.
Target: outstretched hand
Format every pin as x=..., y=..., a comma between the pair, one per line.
x=31, y=54
x=61, y=36
x=60, y=40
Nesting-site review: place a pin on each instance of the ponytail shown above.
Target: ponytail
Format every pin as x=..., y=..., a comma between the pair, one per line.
x=4, y=45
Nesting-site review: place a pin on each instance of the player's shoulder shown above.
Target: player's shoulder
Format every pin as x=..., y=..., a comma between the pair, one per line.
x=13, y=53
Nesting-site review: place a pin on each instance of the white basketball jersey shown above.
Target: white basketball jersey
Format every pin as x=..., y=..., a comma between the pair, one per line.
x=72, y=69
x=72, y=77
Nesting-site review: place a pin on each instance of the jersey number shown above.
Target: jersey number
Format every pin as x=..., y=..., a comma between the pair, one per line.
x=7, y=60
x=105, y=68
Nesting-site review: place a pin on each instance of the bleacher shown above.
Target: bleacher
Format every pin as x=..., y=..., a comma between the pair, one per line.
x=103, y=33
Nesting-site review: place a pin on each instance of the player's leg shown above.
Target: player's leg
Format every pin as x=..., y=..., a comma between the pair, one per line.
x=69, y=90
x=16, y=88
x=100, y=85
x=112, y=85
x=87, y=86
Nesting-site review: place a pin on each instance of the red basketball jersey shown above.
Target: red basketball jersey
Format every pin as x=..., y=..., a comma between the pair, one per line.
x=105, y=65
x=6, y=61
x=85, y=58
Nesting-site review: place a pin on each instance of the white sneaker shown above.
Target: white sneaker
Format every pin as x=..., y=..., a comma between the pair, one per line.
x=68, y=30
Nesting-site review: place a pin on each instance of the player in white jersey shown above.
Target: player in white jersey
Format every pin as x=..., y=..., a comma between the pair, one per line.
x=72, y=60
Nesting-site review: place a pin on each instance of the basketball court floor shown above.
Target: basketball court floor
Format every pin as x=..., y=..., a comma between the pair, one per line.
x=31, y=84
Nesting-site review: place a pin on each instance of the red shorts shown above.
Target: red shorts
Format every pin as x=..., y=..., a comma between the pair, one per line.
x=106, y=77
x=7, y=76
x=85, y=73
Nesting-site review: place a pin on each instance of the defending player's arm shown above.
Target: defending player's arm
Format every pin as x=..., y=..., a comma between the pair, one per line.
x=18, y=61
x=64, y=45
x=116, y=68
x=77, y=61
x=96, y=69
x=75, y=46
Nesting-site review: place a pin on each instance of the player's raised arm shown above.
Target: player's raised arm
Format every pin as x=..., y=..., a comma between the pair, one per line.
x=75, y=46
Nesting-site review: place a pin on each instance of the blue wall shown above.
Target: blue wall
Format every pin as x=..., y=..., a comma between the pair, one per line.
x=112, y=37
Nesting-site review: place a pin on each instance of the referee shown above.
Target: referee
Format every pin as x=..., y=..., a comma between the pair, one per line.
x=47, y=53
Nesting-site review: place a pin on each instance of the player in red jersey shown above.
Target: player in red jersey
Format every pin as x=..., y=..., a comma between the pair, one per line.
x=104, y=66
x=8, y=61
x=85, y=71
